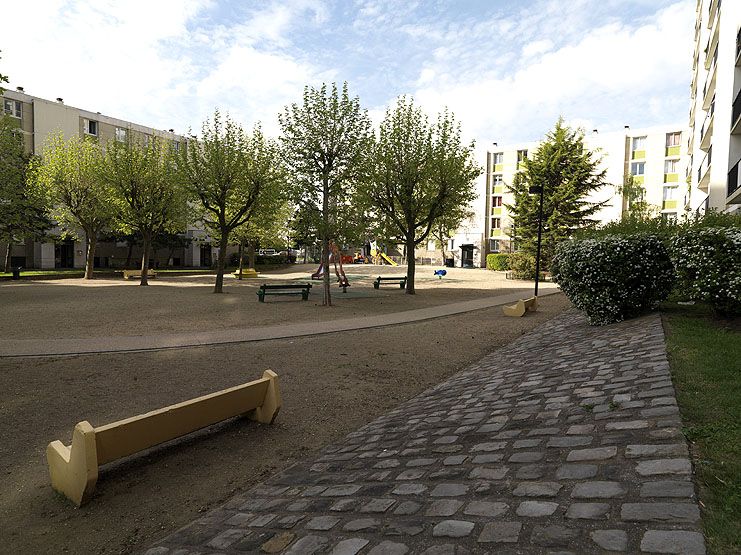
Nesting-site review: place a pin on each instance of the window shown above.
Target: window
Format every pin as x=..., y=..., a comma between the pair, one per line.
x=496, y=179
x=493, y=245
x=639, y=143
x=496, y=223
x=12, y=107
x=496, y=201
x=637, y=168
x=176, y=146
x=670, y=193
x=90, y=126
x=120, y=134
x=521, y=156
x=671, y=166
x=669, y=217
x=497, y=158
x=673, y=139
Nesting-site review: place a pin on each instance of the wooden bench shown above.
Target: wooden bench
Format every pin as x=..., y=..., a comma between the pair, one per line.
x=402, y=281
x=284, y=289
x=128, y=274
x=74, y=469
x=521, y=307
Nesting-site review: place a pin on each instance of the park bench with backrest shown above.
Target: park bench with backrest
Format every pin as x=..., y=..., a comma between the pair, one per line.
x=402, y=281
x=74, y=468
x=128, y=274
x=284, y=289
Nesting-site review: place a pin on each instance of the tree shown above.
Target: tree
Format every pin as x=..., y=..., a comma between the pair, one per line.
x=21, y=212
x=446, y=225
x=325, y=142
x=147, y=196
x=226, y=171
x=568, y=172
x=634, y=201
x=3, y=79
x=68, y=178
x=419, y=174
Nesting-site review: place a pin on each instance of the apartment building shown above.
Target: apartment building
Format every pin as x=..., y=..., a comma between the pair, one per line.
x=38, y=119
x=654, y=158
x=714, y=140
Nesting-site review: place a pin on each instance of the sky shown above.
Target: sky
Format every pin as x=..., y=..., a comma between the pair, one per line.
x=506, y=68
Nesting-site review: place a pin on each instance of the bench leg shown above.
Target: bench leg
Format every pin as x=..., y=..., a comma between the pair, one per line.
x=402, y=284
x=271, y=404
x=74, y=470
x=261, y=296
x=305, y=295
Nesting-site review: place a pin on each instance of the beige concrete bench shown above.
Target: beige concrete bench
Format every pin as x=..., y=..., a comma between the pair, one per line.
x=521, y=307
x=74, y=469
x=128, y=274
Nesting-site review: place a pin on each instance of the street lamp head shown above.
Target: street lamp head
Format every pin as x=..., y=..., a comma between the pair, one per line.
x=535, y=189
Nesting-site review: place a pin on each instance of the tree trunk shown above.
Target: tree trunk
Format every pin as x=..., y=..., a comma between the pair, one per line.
x=145, y=259
x=409, y=248
x=7, y=257
x=221, y=261
x=241, y=260
x=91, y=239
x=129, y=253
x=251, y=252
x=306, y=253
x=327, y=300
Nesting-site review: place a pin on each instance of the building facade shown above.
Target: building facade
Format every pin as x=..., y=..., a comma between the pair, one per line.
x=655, y=159
x=714, y=140
x=38, y=119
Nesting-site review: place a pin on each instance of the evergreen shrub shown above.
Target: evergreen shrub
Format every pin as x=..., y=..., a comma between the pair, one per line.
x=708, y=264
x=497, y=261
x=614, y=277
x=522, y=265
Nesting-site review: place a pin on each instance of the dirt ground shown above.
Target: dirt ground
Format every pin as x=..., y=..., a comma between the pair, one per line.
x=331, y=384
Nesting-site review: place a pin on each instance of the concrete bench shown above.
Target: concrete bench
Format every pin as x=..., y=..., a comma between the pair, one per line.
x=74, y=469
x=521, y=307
x=284, y=289
x=128, y=274
x=402, y=281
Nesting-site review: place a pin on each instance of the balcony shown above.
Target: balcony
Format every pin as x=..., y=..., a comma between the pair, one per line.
x=711, y=49
x=736, y=116
x=734, y=186
x=708, y=91
x=713, y=12
x=706, y=132
x=738, y=49
x=703, y=172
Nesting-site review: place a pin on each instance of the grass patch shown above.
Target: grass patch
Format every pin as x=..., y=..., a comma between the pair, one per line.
x=705, y=358
x=24, y=272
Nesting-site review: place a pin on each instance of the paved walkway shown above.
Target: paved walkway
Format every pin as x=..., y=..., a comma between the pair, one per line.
x=567, y=441
x=90, y=345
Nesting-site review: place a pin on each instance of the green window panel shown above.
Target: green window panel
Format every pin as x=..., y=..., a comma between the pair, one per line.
x=496, y=232
x=498, y=167
x=638, y=179
x=499, y=189
x=671, y=178
x=672, y=150
x=669, y=205
x=496, y=211
x=639, y=154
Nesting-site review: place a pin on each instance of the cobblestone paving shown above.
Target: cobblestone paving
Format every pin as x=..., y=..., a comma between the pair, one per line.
x=567, y=441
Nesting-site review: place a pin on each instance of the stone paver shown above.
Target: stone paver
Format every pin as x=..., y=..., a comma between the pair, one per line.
x=567, y=441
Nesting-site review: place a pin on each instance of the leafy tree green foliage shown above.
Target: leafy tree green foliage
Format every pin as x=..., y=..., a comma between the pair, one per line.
x=3, y=79
x=497, y=261
x=68, y=179
x=21, y=212
x=446, y=225
x=146, y=195
x=419, y=173
x=168, y=240
x=325, y=141
x=635, y=206
x=226, y=171
x=268, y=225
x=568, y=172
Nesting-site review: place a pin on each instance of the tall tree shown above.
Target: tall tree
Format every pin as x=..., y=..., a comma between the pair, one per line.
x=147, y=195
x=568, y=172
x=325, y=142
x=68, y=178
x=227, y=170
x=448, y=223
x=21, y=212
x=419, y=173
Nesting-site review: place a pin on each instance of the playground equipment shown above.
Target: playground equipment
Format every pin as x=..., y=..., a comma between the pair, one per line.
x=440, y=273
x=378, y=255
x=521, y=307
x=335, y=256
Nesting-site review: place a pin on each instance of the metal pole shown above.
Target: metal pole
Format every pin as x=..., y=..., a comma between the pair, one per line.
x=540, y=229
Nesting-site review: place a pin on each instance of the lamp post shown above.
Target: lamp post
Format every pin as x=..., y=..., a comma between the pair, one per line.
x=533, y=190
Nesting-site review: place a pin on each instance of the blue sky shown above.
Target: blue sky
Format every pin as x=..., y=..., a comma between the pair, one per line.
x=507, y=69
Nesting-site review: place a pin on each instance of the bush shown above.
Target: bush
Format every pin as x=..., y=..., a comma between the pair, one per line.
x=497, y=261
x=615, y=277
x=522, y=265
x=708, y=263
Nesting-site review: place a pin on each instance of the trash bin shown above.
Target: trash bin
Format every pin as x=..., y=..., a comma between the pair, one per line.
x=450, y=262
x=17, y=272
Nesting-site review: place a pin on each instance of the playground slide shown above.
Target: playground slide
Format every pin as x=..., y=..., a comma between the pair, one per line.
x=387, y=259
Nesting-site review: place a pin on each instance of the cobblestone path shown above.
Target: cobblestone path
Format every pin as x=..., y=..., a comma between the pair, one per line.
x=567, y=441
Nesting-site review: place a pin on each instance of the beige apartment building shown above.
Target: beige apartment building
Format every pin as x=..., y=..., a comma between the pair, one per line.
x=38, y=119
x=655, y=158
x=714, y=140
